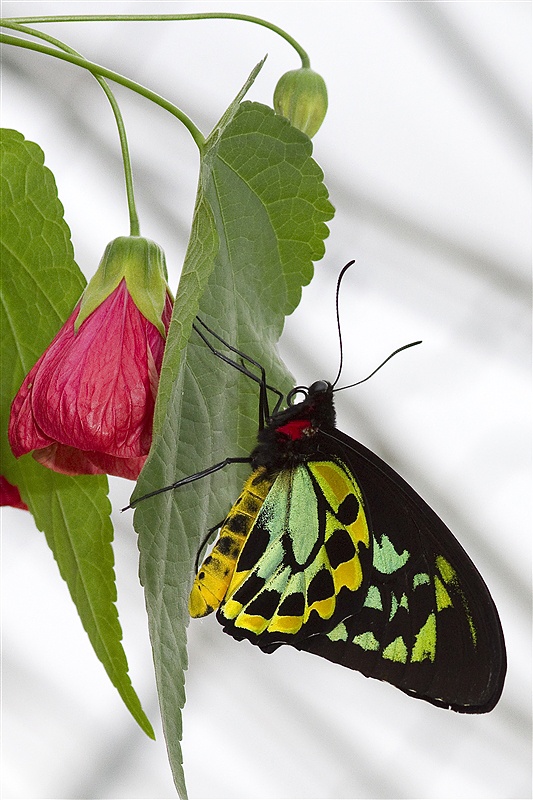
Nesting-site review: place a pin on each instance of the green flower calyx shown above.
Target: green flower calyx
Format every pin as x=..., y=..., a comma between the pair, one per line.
x=141, y=264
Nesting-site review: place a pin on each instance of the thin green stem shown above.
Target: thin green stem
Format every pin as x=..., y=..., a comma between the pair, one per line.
x=96, y=69
x=128, y=175
x=173, y=18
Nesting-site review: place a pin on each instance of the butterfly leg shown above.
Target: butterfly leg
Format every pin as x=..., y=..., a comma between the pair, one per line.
x=190, y=479
x=264, y=413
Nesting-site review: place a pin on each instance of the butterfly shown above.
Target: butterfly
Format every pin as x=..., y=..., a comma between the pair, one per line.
x=329, y=550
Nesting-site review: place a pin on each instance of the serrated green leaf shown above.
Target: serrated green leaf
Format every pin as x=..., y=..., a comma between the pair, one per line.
x=41, y=284
x=259, y=224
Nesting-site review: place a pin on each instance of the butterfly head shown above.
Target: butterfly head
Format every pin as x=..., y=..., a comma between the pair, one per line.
x=291, y=435
x=315, y=409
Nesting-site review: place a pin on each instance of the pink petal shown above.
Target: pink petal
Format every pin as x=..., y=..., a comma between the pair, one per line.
x=70, y=461
x=10, y=495
x=24, y=433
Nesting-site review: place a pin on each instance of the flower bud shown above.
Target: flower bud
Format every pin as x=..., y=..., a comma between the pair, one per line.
x=301, y=96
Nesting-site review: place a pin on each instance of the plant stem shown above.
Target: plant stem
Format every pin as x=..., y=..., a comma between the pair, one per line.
x=128, y=175
x=172, y=18
x=96, y=69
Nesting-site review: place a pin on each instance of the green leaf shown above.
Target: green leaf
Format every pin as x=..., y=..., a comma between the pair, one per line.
x=259, y=224
x=41, y=284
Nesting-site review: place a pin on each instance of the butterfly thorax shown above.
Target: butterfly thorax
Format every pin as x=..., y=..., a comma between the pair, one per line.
x=292, y=436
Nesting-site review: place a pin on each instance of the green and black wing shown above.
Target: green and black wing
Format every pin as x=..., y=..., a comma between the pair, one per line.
x=346, y=561
x=428, y=624
x=306, y=560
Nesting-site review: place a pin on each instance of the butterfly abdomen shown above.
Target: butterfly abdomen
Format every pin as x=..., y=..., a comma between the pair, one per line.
x=214, y=576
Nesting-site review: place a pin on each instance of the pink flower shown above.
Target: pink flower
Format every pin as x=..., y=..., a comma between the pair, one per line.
x=87, y=405
x=9, y=495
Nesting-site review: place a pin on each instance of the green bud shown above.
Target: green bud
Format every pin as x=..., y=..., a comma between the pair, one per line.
x=301, y=96
x=141, y=263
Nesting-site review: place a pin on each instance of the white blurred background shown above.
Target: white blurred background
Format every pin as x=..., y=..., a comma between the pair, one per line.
x=426, y=154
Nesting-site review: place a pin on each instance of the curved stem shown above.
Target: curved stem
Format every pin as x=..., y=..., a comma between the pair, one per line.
x=135, y=229
x=96, y=69
x=128, y=175
x=173, y=18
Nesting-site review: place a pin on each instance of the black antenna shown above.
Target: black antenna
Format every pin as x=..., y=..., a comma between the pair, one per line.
x=339, y=279
x=399, y=350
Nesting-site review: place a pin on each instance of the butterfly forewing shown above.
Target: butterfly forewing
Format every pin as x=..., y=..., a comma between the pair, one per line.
x=428, y=623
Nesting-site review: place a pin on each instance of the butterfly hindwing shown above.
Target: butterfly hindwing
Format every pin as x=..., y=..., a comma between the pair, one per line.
x=306, y=561
x=428, y=623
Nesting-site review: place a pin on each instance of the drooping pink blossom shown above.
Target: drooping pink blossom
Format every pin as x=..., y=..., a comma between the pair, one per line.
x=87, y=405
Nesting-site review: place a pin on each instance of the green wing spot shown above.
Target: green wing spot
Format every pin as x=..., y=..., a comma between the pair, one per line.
x=269, y=563
x=420, y=579
x=441, y=595
x=291, y=505
x=300, y=499
x=373, y=598
x=386, y=559
x=446, y=570
x=339, y=634
x=396, y=651
x=473, y=632
x=367, y=641
x=449, y=576
x=395, y=605
x=426, y=640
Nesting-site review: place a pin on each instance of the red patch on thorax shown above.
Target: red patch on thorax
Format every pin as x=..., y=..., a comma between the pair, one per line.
x=295, y=429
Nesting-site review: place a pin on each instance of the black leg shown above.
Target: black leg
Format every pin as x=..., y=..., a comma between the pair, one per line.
x=189, y=479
